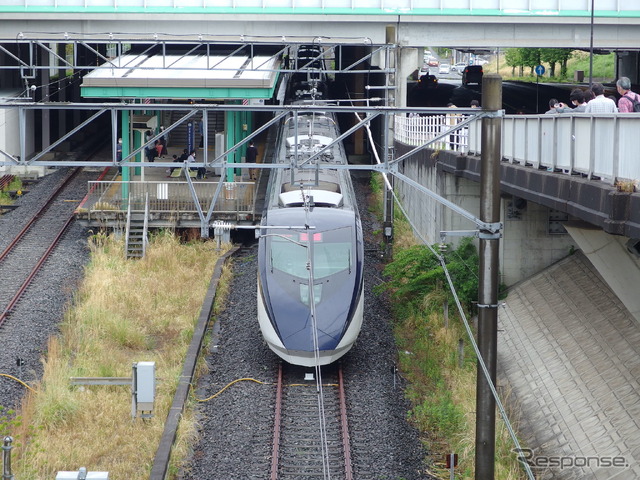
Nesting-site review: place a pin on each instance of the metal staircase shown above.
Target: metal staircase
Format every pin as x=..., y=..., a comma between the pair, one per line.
x=137, y=228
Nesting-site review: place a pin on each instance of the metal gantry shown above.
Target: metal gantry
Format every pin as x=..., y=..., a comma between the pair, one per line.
x=100, y=50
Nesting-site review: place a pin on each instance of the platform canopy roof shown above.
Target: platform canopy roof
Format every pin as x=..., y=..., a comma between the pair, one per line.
x=183, y=76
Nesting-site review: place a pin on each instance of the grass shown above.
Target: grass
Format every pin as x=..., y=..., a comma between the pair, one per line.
x=603, y=69
x=441, y=384
x=5, y=198
x=125, y=311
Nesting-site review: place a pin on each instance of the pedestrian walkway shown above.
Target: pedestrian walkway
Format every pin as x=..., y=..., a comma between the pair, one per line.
x=569, y=352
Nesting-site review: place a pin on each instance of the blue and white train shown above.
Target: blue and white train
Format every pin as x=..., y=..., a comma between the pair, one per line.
x=310, y=280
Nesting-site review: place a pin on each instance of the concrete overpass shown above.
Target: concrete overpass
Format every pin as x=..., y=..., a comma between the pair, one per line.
x=37, y=28
x=448, y=23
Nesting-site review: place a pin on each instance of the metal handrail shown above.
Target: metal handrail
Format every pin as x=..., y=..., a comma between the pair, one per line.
x=594, y=145
x=238, y=197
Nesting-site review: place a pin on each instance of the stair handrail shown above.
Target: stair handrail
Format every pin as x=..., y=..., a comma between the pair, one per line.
x=128, y=228
x=146, y=225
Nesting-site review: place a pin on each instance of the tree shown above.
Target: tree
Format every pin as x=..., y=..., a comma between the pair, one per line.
x=553, y=56
x=530, y=57
x=513, y=59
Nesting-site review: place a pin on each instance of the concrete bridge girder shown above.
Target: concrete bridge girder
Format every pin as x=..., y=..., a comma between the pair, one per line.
x=413, y=30
x=609, y=255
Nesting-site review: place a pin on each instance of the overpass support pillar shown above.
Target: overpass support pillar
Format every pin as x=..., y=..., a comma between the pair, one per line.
x=407, y=64
x=629, y=66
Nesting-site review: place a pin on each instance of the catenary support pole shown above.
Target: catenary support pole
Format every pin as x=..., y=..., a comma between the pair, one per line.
x=488, y=278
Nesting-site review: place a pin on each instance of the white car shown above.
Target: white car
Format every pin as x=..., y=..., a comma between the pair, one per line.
x=458, y=67
x=423, y=70
x=444, y=68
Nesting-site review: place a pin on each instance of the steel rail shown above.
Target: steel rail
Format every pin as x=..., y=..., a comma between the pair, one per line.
x=344, y=425
x=35, y=270
x=30, y=223
x=298, y=450
x=277, y=423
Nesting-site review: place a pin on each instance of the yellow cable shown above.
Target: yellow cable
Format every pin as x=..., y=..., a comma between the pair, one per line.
x=235, y=381
x=261, y=383
x=18, y=380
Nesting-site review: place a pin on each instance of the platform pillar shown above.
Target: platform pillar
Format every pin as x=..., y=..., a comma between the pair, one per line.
x=233, y=130
x=126, y=143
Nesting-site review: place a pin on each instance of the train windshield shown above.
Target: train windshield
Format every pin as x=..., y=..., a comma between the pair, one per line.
x=332, y=252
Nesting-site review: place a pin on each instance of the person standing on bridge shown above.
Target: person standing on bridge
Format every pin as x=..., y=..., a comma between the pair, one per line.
x=600, y=104
x=625, y=102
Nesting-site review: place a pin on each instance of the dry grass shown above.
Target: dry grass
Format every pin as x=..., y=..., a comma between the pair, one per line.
x=126, y=311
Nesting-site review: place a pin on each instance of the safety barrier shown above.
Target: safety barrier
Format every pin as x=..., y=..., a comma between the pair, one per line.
x=417, y=130
x=595, y=145
x=170, y=197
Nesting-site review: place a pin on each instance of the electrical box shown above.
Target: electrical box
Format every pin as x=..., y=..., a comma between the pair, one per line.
x=82, y=474
x=144, y=388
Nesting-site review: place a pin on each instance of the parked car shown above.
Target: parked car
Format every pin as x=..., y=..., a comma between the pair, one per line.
x=458, y=67
x=428, y=81
x=472, y=74
x=445, y=68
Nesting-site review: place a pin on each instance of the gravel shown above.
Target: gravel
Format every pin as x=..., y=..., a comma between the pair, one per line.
x=235, y=427
x=26, y=331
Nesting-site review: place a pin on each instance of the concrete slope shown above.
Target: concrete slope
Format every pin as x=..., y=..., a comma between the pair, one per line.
x=569, y=353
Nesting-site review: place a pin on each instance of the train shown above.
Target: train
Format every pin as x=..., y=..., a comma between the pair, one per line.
x=310, y=248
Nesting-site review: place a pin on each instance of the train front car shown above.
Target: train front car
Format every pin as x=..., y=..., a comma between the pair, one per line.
x=310, y=281
x=334, y=251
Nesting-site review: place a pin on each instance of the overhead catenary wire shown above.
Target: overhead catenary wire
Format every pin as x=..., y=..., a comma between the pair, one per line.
x=316, y=347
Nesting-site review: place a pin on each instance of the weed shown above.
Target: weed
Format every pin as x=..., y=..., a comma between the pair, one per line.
x=441, y=386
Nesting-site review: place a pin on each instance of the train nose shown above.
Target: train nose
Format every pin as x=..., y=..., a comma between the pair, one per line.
x=305, y=293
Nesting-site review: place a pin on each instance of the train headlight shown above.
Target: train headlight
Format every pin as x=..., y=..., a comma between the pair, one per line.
x=304, y=293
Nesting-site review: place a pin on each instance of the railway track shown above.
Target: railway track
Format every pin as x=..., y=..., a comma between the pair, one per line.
x=311, y=438
x=24, y=256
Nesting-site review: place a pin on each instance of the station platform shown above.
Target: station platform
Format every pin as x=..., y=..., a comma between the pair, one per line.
x=171, y=199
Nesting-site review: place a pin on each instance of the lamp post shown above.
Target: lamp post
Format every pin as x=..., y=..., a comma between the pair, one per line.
x=591, y=48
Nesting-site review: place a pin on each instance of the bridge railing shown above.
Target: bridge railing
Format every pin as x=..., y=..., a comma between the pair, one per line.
x=596, y=145
x=236, y=198
x=420, y=129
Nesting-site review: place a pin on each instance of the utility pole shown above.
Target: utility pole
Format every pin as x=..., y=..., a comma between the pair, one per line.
x=488, y=278
x=591, y=47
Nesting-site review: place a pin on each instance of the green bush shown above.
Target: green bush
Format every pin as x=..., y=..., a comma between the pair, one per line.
x=416, y=273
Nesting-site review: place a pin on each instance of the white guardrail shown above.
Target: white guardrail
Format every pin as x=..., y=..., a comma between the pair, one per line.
x=597, y=145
